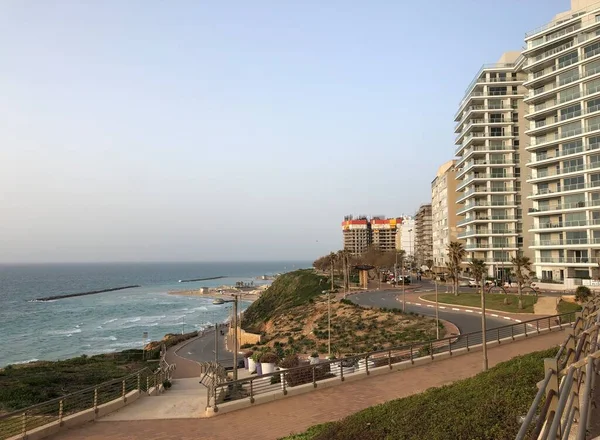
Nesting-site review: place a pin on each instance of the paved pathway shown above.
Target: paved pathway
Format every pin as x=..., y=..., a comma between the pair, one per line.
x=277, y=419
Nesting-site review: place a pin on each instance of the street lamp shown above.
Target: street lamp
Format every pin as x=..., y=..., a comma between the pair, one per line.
x=437, y=317
x=328, y=292
x=483, y=325
x=235, y=300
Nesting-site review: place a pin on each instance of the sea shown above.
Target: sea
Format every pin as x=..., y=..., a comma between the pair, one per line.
x=33, y=330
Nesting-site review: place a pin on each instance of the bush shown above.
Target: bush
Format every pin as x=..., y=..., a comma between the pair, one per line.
x=486, y=406
x=582, y=293
x=268, y=358
x=248, y=354
x=290, y=361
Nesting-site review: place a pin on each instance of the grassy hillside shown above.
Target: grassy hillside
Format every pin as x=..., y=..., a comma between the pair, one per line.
x=287, y=291
x=486, y=406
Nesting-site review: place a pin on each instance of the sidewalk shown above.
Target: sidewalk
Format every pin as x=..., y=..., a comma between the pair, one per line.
x=295, y=414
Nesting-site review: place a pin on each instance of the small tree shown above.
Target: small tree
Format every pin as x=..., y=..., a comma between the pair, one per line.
x=456, y=254
x=582, y=293
x=478, y=268
x=522, y=266
x=429, y=264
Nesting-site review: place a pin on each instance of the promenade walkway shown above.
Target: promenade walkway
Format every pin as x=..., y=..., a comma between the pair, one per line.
x=295, y=414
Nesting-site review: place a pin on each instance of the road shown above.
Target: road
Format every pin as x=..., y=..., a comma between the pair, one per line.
x=466, y=322
x=203, y=349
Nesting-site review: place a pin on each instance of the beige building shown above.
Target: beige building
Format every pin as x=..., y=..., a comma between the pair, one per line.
x=490, y=171
x=443, y=213
x=562, y=64
x=423, y=235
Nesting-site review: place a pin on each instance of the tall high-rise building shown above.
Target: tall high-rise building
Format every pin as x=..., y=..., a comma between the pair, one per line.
x=405, y=238
x=383, y=233
x=562, y=63
x=423, y=235
x=490, y=171
x=443, y=213
x=361, y=233
x=357, y=234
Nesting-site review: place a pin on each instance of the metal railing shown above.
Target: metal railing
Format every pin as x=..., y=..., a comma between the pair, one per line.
x=282, y=380
x=566, y=389
x=22, y=421
x=25, y=420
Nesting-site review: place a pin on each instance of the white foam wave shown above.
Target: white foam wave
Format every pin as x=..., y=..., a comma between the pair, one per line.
x=110, y=320
x=64, y=332
x=25, y=362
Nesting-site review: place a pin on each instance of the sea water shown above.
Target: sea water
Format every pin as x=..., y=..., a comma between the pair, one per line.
x=111, y=321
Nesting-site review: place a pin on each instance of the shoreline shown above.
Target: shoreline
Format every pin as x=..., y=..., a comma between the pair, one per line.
x=244, y=296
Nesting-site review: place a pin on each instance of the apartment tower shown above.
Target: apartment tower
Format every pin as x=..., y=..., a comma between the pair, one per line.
x=423, y=235
x=490, y=171
x=357, y=234
x=562, y=62
x=443, y=213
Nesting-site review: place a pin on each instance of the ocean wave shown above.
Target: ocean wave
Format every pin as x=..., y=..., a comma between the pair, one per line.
x=136, y=319
x=64, y=332
x=103, y=338
x=44, y=301
x=110, y=320
x=25, y=362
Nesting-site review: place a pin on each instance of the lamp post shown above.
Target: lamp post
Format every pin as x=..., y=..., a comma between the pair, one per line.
x=328, y=292
x=437, y=317
x=235, y=300
x=483, y=326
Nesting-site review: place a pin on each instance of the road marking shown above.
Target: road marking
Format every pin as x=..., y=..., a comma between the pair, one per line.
x=506, y=317
x=479, y=313
x=518, y=320
x=458, y=310
x=442, y=307
x=494, y=315
x=418, y=304
x=429, y=305
x=467, y=310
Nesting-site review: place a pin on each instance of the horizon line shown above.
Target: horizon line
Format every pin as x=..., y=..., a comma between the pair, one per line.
x=152, y=262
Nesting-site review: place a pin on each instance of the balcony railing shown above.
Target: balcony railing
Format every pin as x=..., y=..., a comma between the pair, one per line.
x=562, y=242
x=559, y=207
x=550, y=53
x=569, y=260
x=565, y=224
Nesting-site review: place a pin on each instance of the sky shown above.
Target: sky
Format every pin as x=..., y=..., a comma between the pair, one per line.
x=229, y=131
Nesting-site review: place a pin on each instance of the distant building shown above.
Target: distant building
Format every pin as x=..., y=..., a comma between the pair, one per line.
x=443, y=213
x=362, y=232
x=357, y=234
x=383, y=233
x=405, y=237
x=423, y=234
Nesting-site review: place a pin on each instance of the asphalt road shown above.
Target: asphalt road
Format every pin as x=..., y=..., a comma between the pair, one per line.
x=466, y=322
x=203, y=349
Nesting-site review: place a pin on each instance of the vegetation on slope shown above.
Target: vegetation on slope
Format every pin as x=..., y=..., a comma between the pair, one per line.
x=483, y=407
x=354, y=329
x=287, y=291
x=28, y=384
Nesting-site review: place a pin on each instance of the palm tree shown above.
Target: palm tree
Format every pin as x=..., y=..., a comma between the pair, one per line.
x=456, y=254
x=478, y=269
x=520, y=264
x=332, y=259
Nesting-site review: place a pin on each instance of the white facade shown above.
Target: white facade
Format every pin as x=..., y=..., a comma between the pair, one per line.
x=563, y=67
x=406, y=235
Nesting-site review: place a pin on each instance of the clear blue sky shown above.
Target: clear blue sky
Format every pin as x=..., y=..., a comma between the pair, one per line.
x=170, y=131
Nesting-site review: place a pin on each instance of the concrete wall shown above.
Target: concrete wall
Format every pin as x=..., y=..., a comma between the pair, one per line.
x=245, y=337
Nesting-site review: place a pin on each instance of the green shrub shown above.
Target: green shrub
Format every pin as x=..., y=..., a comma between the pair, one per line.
x=582, y=293
x=268, y=358
x=487, y=406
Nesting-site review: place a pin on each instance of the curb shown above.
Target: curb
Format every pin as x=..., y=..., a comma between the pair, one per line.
x=456, y=309
x=502, y=313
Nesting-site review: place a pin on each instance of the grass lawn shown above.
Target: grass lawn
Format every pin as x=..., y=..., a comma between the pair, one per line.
x=492, y=301
x=568, y=307
x=486, y=406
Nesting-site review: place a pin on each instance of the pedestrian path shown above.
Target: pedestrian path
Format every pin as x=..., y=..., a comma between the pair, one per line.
x=184, y=400
x=295, y=414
